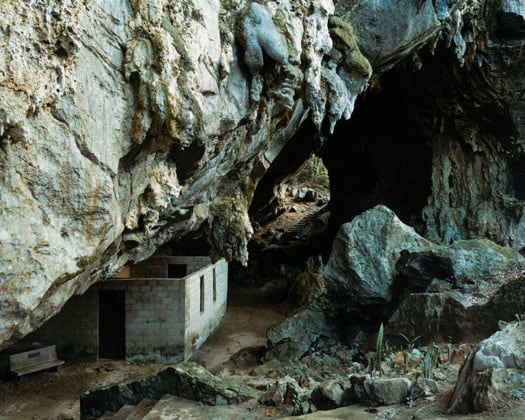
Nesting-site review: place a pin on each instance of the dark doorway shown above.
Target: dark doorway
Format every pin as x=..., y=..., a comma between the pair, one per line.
x=177, y=271
x=112, y=324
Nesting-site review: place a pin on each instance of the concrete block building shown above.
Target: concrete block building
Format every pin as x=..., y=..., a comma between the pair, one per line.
x=161, y=309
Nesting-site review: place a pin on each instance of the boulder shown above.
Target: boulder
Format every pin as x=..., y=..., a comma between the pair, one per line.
x=471, y=265
x=363, y=389
x=387, y=30
x=386, y=391
x=464, y=290
x=493, y=374
x=295, y=336
x=362, y=264
x=328, y=395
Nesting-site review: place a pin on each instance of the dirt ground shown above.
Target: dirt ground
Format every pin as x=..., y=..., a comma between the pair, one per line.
x=55, y=395
x=245, y=324
x=51, y=395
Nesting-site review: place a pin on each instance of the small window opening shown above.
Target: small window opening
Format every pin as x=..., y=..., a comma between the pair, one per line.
x=214, y=286
x=202, y=293
x=177, y=271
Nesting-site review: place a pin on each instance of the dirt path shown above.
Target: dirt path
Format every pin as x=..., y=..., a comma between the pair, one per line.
x=51, y=395
x=244, y=325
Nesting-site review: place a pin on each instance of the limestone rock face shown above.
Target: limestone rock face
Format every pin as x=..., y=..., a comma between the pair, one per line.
x=124, y=125
x=362, y=264
x=494, y=374
x=386, y=30
x=440, y=137
x=459, y=292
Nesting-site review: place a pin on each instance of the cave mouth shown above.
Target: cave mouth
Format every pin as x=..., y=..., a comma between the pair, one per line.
x=380, y=156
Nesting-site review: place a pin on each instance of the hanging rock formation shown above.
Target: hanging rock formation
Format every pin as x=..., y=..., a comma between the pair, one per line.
x=127, y=125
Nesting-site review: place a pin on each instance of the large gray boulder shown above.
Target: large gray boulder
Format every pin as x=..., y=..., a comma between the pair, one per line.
x=362, y=265
x=461, y=291
x=494, y=374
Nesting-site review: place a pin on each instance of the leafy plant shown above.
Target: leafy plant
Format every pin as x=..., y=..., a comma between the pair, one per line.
x=313, y=172
x=297, y=406
x=427, y=365
x=429, y=361
x=379, y=347
x=411, y=343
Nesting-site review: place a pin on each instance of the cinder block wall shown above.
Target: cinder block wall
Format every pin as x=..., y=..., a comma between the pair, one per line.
x=155, y=318
x=200, y=324
x=157, y=267
x=164, y=321
x=74, y=329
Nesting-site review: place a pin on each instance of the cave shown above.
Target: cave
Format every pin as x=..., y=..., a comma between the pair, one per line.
x=381, y=156
x=262, y=208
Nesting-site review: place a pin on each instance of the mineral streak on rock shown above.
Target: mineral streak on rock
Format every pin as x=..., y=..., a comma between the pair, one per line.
x=124, y=125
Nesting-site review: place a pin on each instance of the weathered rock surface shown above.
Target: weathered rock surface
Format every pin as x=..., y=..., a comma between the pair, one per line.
x=128, y=125
x=187, y=380
x=386, y=391
x=493, y=374
x=387, y=30
x=328, y=395
x=438, y=138
x=295, y=336
x=464, y=290
x=124, y=126
x=362, y=264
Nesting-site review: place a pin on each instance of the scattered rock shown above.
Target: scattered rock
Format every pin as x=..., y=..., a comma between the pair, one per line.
x=187, y=380
x=386, y=391
x=266, y=368
x=494, y=374
x=328, y=395
x=248, y=356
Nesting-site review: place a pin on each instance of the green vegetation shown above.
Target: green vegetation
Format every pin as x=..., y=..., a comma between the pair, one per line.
x=313, y=173
x=379, y=347
x=410, y=342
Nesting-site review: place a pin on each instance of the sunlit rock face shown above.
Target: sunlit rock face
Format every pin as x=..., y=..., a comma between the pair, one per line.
x=127, y=124
x=124, y=125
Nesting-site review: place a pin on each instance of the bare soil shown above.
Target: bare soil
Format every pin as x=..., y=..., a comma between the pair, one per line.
x=55, y=395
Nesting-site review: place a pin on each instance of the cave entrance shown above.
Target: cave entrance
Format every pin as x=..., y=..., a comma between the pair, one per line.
x=112, y=325
x=289, y=208
x=382, y=155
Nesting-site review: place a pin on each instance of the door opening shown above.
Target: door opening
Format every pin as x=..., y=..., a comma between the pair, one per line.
x=112, y=324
